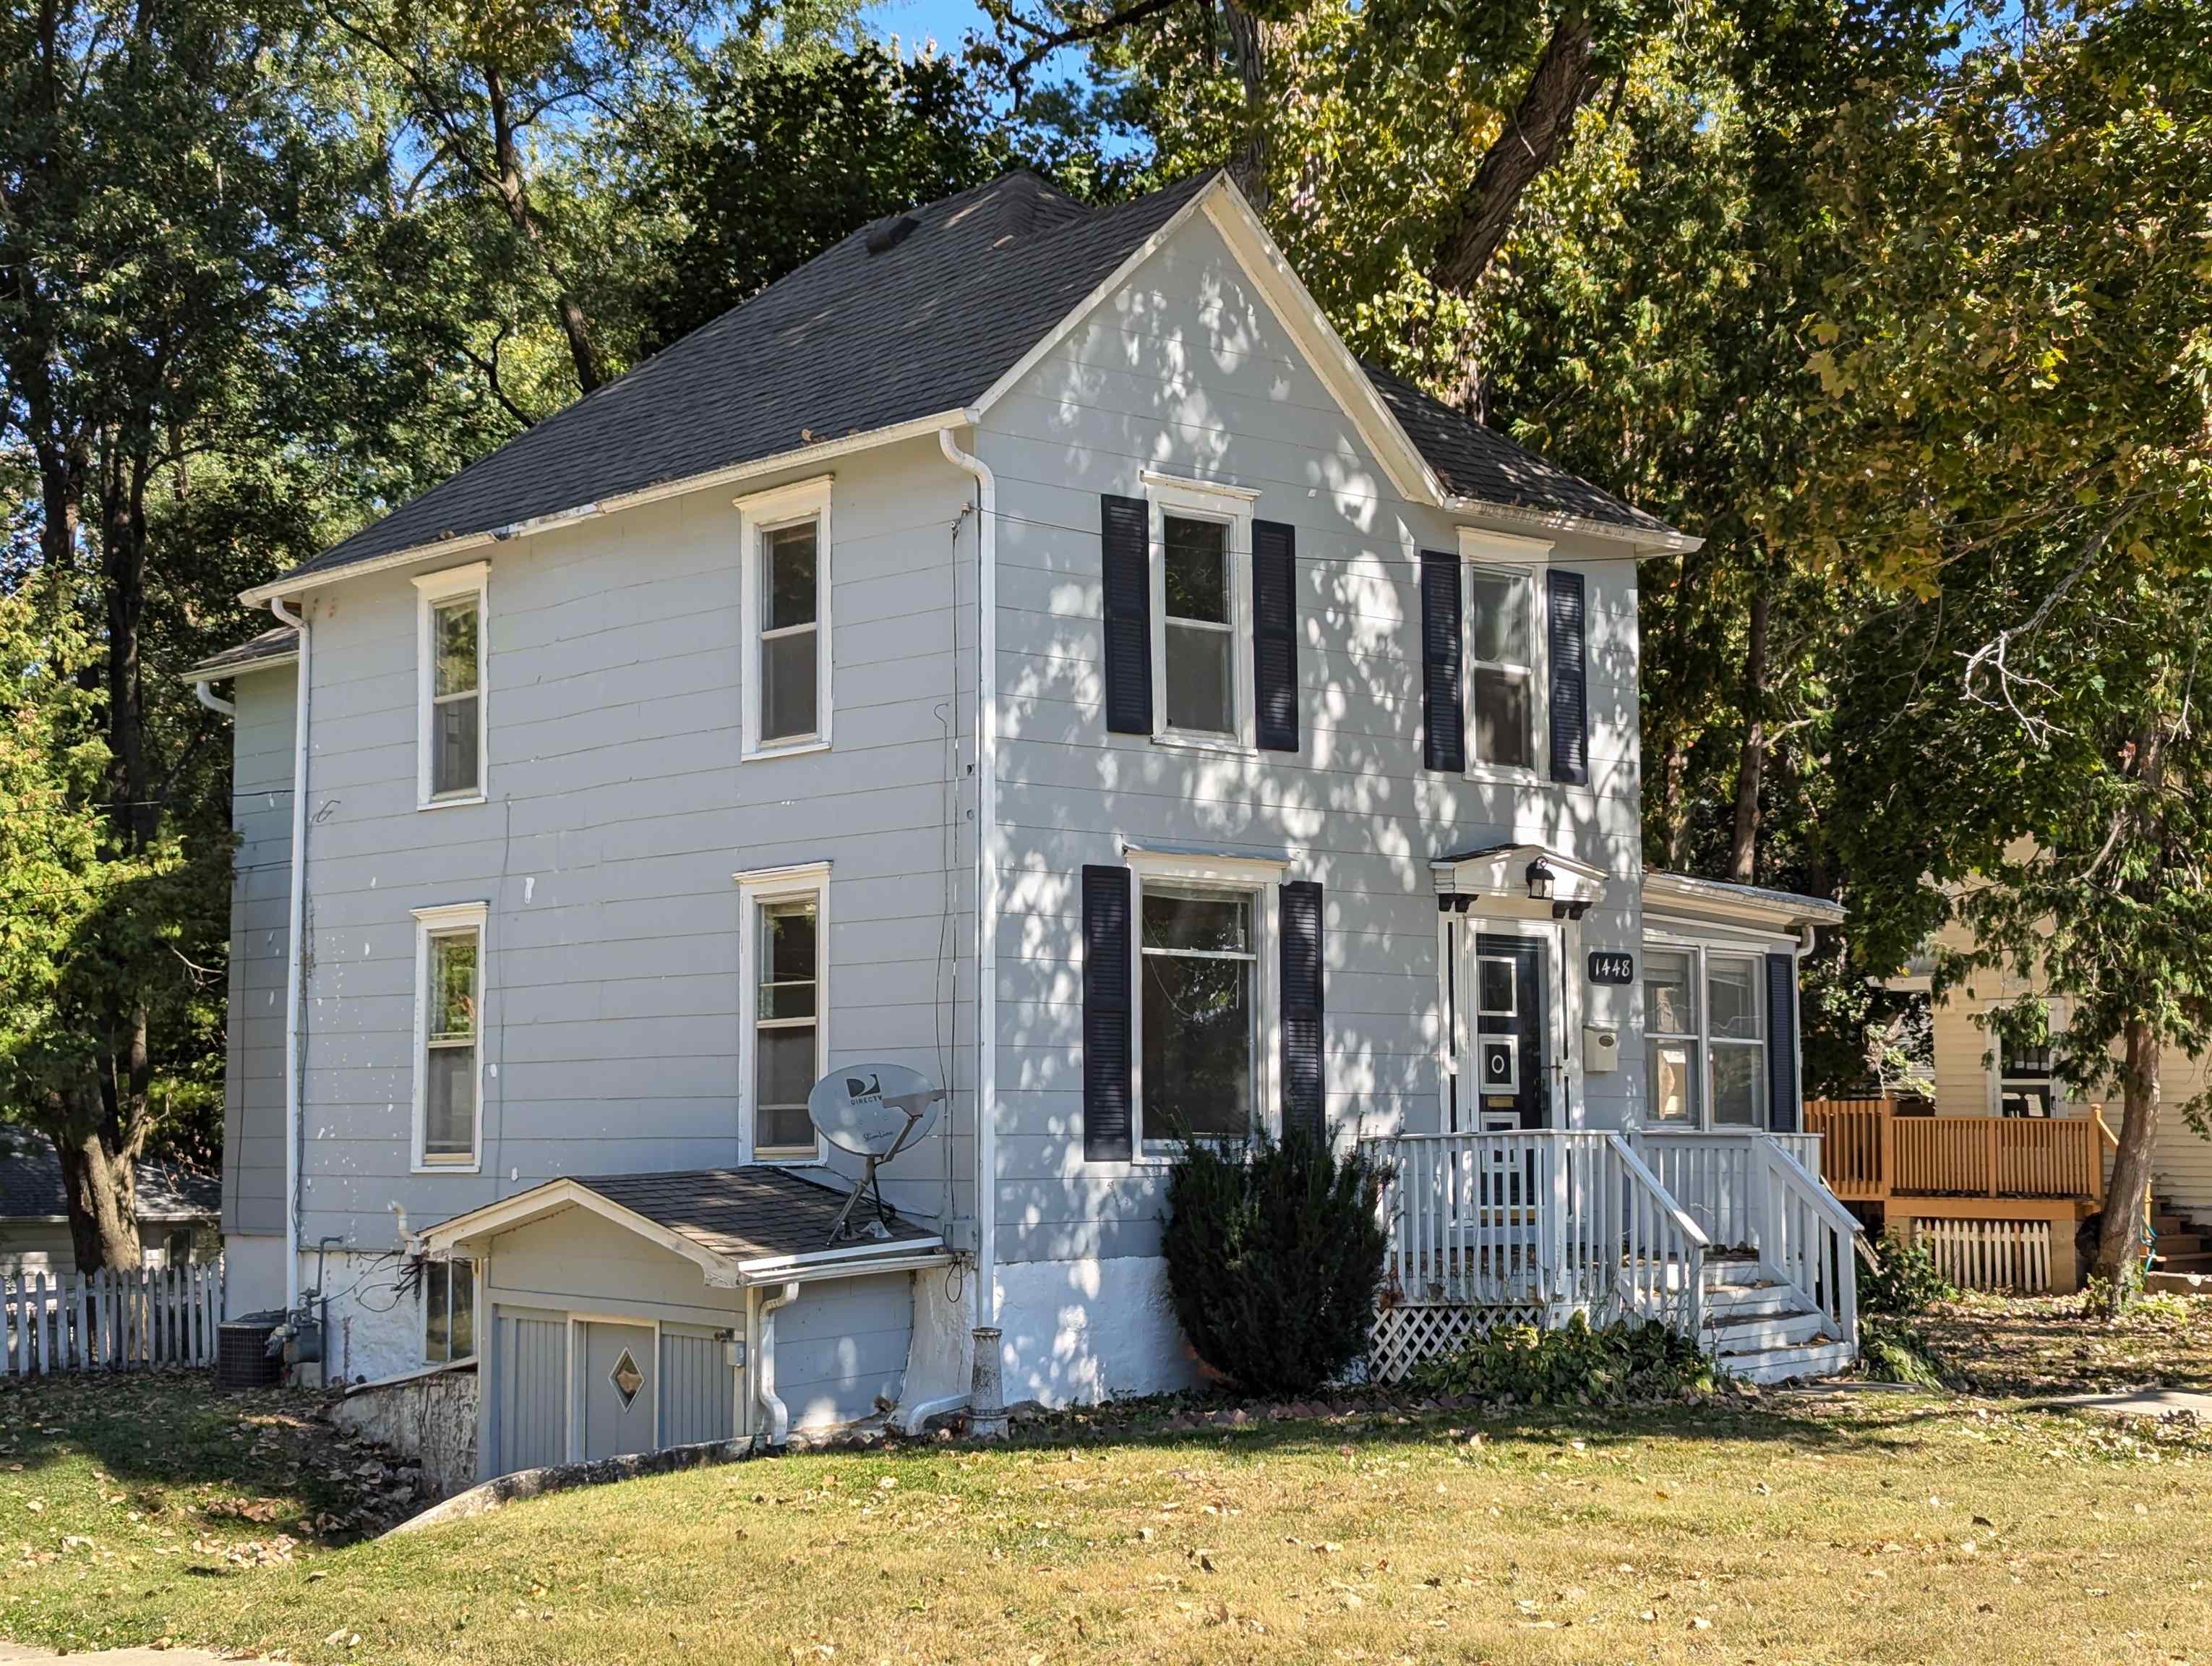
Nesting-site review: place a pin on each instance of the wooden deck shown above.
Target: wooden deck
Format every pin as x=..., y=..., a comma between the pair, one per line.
x=1871, y=1154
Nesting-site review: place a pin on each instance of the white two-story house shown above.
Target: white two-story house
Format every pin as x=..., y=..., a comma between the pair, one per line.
x=1024, y=645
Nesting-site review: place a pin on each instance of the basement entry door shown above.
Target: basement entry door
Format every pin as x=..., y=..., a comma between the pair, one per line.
x=620, y=1392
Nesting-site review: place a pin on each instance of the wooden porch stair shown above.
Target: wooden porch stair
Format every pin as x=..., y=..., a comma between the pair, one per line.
x=2183, y=1244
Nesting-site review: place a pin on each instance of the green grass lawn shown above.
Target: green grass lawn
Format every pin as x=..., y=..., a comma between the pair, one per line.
x=1875, y=1528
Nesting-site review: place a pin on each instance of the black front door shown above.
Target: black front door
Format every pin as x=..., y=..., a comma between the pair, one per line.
x=1511, y=1085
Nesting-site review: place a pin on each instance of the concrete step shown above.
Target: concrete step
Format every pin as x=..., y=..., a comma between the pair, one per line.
x=1762, y=1333
x=1785, y=1365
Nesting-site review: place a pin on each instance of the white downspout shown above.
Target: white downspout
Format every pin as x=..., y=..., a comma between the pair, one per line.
x=987, y=873
x=778, y=1430
x=205, y=692
x=292, y=991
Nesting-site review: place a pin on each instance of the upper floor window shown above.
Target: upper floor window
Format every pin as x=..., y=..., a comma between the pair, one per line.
x=1201, y=546
x=448, y=1054
x=1504, y=669
x=450, y=655
x=786, y=614
x=786, y=926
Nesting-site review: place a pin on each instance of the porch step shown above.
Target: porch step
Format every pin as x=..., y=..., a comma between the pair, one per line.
x=2195, y=1263
x=1762, y=1333
x=1749, y=1301
x=1821, y=1357
x=2178, y=1243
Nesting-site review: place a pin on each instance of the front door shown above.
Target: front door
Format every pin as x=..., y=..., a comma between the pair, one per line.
x=620, y=1389
x=1512, y=1084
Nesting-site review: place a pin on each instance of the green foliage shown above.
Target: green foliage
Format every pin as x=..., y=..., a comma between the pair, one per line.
x=1892, y=1351
x=1614, y=1365
x=788, y=154
x=1903, y=1281
x=1273, y=1254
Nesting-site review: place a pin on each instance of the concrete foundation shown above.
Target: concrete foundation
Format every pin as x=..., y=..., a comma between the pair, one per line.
x=1080, y=1332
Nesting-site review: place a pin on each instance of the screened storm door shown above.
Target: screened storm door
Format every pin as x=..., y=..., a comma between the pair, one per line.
x=1509, y=1021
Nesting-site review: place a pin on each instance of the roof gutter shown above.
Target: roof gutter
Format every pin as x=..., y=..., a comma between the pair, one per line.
x=987, y=868
x=1645, y=542
x=296, y=928
x=204, y=691
x=294, y=584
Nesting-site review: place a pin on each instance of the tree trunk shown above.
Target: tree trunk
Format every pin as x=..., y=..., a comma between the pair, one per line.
x=1673, y=807
x=2121, y=1244
x=1558, y=87
x=1249, y=165
x=514, y=197
x=102, y=1189
x=1751, y=761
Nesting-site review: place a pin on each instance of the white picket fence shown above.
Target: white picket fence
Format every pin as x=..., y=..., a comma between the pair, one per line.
x=1988, y=1255
x=110, y=1320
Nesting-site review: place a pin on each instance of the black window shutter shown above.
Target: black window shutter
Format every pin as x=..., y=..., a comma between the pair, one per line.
x=1443, y=739
x=1106, y=1120
x=1570, y=680
x=1125, y=533
x=1782, y=1042
x=1300, y=929
x=1275, y=634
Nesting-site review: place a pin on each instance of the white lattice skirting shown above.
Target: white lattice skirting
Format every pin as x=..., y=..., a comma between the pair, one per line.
x=1402, y=1336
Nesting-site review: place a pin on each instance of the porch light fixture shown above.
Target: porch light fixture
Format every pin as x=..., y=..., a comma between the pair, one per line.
x=1543, y=882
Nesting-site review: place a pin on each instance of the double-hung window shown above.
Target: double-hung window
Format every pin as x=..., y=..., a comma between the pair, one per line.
x=448, y=1035
x=1736, y=1010
x=2027, y=1081
x=450, y=729
x=1671, y=1034
x=786, y=535
x=449, y=1310
x=1505, y=633
x=1205, y=999
x=1705, y=1038
x=1201, y=545
x=785, y=920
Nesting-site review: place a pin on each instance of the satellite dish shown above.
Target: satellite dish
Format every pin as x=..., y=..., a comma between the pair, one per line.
x=874, y=1111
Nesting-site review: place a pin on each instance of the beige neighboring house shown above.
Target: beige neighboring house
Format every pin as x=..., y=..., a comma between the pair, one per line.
x=179, y=1212
x=2011, y=1167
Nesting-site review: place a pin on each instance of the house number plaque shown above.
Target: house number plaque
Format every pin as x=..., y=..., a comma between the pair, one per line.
x=1606, y=966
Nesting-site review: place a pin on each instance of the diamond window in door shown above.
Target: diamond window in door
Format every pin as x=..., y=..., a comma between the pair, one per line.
x=627, y=1378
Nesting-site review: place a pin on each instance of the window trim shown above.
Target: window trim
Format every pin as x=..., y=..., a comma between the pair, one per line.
x=1534, y=579
x=759, y=514
x=1258, y=878
x=431, y=590
x=796, y=882
x=1234, y=508
x=445, y=920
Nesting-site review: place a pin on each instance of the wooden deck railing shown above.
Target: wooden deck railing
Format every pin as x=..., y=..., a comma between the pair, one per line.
x=1870, y=1153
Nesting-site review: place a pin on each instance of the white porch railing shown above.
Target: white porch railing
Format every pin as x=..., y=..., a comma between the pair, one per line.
x=1761, y=1191
x=1551, y=1222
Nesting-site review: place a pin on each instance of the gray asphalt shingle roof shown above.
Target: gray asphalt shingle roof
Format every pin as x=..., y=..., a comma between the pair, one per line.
x=1473, y=461
x=853, y=342
x=31, y=1185
x=281, y=643
x=743, y=1215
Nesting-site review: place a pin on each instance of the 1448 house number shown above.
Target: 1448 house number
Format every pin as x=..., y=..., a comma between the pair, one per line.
x=1608, y=966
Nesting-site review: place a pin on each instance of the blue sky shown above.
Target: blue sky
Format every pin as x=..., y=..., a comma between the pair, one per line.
x=914, y=21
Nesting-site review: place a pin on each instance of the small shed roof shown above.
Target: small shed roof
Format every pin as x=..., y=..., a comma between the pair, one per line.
x=279, y=647
x=31, y=1185
x=743, y=1226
